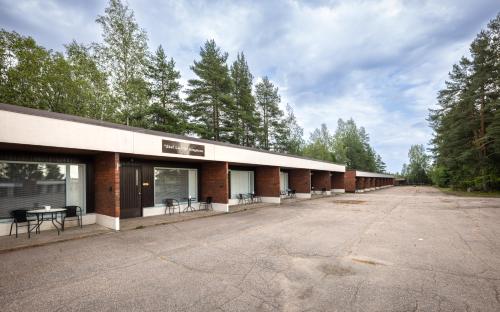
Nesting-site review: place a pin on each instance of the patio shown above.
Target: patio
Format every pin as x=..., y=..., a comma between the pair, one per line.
x=10, y=243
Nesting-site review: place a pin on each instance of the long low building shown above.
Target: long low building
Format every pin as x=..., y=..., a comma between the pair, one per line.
x=114, y=171
x=362, y=181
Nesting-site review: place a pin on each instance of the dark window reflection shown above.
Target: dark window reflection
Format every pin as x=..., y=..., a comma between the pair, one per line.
x=28, y=186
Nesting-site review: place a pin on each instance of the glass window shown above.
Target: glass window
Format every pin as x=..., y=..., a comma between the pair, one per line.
x=283, y=181
x=34, y=185
x=241, y=182
x=175, y=183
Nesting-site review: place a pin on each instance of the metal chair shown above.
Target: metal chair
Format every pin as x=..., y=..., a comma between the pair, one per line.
x=323, y=191
x=171, y=204
x=73, y=212
x=208, y=202
x=242, y=199
x=20, y=216
x=254, y=198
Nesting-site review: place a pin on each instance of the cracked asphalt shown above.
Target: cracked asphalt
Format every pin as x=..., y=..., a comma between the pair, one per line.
x=397, y=249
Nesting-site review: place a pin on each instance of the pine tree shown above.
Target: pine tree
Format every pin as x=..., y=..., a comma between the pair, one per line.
x=380, y=165
x=245, y=118
x=210, y=94
x=123, y=55
x=268, y=100
x=466, y=122
x=167, y=111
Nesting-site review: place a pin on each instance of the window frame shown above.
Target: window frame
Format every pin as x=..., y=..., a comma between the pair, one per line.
x=66, y=173
x=175, y=168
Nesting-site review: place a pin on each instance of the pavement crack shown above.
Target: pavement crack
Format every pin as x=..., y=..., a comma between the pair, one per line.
x=497, y=293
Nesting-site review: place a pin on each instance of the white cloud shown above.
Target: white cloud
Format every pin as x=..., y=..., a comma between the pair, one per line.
x=379, y=62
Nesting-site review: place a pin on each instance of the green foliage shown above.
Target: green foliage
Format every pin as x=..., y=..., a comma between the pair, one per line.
x=167, y=111
x=351, y=145
x=210, y=95
x=439, y=176
x=94, y=98
x=417, y=171
x=22, y=80
x=245, y=119
x=348, y=145
x=466, y=124
x=289, y=137
x=34, y=77
x=123, y=55
x=268, y=100
x=119, y=80
x=320, y=145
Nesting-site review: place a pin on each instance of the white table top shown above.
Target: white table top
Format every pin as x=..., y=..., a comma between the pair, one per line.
x=47, y=211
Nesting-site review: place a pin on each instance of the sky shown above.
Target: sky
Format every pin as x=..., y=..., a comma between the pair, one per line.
x=378, y=62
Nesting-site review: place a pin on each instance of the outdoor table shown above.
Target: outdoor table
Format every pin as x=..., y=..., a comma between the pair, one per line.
x=53, y=212
x=189, y=206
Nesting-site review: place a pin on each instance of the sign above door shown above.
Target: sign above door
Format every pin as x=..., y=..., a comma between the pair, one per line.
x=174, y=147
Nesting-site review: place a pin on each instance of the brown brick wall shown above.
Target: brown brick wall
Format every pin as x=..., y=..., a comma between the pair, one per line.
x=337, y=180
x=360, y=183
x=350, y=181
x=214, y=181
x=320, y=180
x=300, y=180
x=107, y=184
x=267, y=181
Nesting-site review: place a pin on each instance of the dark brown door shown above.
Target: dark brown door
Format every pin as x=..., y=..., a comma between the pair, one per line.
x=130, y=192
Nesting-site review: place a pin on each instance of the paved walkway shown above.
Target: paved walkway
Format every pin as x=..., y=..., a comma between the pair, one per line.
x=9, y=243
x=398, y=249
x=138, y=223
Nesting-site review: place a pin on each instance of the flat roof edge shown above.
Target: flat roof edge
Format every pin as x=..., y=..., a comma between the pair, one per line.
x=78, y=119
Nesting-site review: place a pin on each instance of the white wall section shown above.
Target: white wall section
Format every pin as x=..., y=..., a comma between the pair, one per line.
x=27, y=127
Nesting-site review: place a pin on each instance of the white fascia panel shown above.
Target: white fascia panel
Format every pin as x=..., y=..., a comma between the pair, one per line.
x=372, y=174
x=35, y=130
x=246, y=156
x=29, y=129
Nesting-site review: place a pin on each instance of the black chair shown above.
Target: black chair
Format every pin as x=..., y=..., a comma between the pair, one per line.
x=206, y=204
x=171, y=204
x=242, y=199
x=21, y=216
x=254, y=198
x=323, y=191
x=293, y=194
x=74, y=212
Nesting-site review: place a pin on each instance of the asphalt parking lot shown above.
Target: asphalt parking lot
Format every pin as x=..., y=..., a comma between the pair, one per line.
x=397, y=249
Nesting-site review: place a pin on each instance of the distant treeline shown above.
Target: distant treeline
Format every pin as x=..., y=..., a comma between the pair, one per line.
x=120, y=80
x=466, y=124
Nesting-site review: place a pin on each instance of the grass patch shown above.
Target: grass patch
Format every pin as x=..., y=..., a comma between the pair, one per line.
x=449, y=191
